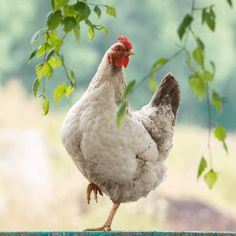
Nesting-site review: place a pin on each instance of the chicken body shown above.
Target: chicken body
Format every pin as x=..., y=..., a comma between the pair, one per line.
x=126, y=163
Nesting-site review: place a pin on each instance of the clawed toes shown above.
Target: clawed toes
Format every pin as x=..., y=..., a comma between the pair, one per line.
x=103, y=228
x=95, y=189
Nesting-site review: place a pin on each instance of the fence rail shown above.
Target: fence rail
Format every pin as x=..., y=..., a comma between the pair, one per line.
x=118, y=233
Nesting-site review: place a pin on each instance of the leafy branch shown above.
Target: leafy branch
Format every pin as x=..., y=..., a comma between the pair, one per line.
x=200, y=81
x=47, y=43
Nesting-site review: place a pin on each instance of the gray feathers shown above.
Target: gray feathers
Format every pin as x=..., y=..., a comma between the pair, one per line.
x=167, y=93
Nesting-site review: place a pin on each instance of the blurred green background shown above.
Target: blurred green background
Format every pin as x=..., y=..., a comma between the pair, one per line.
x=40, y=188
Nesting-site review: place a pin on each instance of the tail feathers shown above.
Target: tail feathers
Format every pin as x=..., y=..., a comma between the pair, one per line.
x=167, y=93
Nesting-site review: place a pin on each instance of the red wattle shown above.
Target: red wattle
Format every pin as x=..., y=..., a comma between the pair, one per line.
x=119, y=62
x=126, y=62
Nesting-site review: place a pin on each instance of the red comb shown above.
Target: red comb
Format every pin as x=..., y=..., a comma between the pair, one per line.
x=125, y=41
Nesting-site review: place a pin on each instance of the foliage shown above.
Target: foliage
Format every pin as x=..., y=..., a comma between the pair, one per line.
x=122, y=108
x=64, y=18
x=202, y=166
x=202, y=74
x=67, y=17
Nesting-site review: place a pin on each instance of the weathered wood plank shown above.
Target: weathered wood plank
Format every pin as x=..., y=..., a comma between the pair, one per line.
x=118, y=233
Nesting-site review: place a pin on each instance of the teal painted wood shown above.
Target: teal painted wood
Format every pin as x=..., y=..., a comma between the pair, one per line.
x=117, y=233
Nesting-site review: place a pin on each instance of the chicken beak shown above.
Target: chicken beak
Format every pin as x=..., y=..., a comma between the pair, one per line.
x=131, y=52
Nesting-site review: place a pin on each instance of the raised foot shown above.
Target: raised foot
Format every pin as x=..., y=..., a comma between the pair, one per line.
x=103, y=228
x=95, y=189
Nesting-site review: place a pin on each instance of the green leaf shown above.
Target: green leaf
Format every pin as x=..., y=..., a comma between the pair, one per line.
x=152, y=83
x=200, y=43
x=88, y=23
x=77, y=34
x=213, y=66
x=44, y=70
x=83, y=10
x=121, y=114
x=157, y=63
x=197, y=85
x=225, y=147
x=186, y=22
x=69, y=10
x=59, y=92
x=72, y=78
x=55, y=62
x=50, y=54
x=56, y=4
x=45, y=106
x=72, y=74
x=33, y=54
x=91, y=32
x=212, y=12
x=130, y=87
x=97, y=11
x=36, y=87
x=69, y=90
x=111, y=11
x=207, y=76
x=230, y=3
x=54, y=19
x=52, y=3
x=199, y=56
x=69, y=23
x=217, y=101
x=220, y=133
x=54, y=41
x=202, y=166
x=35, y=37
x=208, y=17
x=43, y=49
x=204, y=15
x=210, y=178
x=197, y=82
x=103, y=29
x=52, y=37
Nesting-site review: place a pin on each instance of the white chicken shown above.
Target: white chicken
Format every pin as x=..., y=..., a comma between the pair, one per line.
x=125, y=163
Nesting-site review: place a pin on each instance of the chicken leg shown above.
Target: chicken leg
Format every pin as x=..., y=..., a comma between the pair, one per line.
x=95, y=189
x=107, y=224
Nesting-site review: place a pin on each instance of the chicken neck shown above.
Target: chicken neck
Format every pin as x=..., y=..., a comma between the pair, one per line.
x=109, y=75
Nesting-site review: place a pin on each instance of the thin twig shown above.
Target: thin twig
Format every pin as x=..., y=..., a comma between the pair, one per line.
x=44, y=60
x=193, y=7
x=67, y=75
x=160, y=67
x=209, y=126
x=183, y=48
x=207, y=94
x=65, y=69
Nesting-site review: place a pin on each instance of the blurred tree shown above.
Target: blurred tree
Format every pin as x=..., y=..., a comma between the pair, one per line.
x=15, y=34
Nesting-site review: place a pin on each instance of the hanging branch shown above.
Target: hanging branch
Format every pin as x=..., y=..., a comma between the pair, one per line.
x=69, y=17
x=199, y=80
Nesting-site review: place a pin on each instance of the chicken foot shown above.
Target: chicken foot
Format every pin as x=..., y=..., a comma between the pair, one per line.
x=107, y=224
x=95, y=189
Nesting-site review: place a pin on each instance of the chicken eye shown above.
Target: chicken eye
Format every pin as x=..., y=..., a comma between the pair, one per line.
x=117, y=48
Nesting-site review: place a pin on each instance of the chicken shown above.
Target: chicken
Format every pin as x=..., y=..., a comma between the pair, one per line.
x=125, y=163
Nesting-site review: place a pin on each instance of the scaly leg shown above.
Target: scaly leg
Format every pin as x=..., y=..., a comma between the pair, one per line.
x=95, y=189
x=107, y=225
